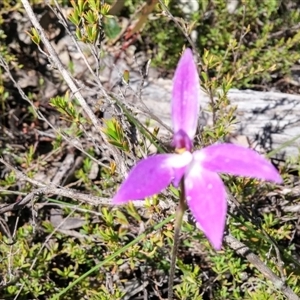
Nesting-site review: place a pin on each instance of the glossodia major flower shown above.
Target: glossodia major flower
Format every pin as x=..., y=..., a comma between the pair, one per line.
x=205, y=192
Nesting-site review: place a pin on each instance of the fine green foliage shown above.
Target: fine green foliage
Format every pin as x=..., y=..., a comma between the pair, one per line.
x=116, y=136
x=256, y=40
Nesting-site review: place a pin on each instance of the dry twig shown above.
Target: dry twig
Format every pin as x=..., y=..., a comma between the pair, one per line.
x=246, y=252
x=55, y=60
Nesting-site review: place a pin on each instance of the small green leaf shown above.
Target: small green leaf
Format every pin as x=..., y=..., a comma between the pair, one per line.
x=111, y=28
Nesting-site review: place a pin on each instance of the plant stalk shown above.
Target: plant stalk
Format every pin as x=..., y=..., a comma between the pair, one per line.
x=177, y=229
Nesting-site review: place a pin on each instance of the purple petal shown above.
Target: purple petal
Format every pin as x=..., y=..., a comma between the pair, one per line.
x=186, y=96
x=178, y=176
x=236, y=160
x=206, y=198
x=150, y=176
x=182, y=141
x=180, y=161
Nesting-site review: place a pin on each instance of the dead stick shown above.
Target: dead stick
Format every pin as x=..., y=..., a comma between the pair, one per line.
x=246, y=252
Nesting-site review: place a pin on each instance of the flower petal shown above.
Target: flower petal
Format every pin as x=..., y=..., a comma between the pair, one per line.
x=206, y=198
x=150, y=176
x=180, y=161
x=186, y=95
x=236, y=160
x=182, y=141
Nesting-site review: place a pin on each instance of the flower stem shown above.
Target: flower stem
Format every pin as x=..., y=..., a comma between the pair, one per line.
x=178, y=221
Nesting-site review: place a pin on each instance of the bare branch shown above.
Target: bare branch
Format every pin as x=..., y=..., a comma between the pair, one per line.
x=70, y=141
x=50, y=189
x=246, y=252
x=55, y=60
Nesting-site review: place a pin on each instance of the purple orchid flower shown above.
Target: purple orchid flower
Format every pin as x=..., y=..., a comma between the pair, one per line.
x=204, y=190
